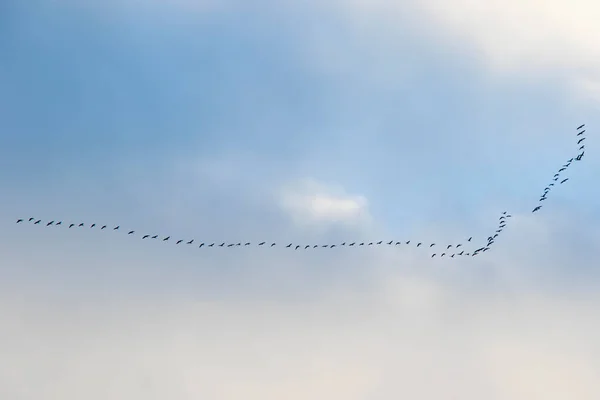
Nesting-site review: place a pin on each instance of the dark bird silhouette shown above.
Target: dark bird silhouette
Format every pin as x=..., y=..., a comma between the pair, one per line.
x=581, y=133
x=19, y=220
x=262, y=243
x=167, y=238
x=443, y=254
x=315, y=246
x=103, y=227
x=452, y=256
x=230, y=245
x=72, y=225
x=289, y=245
x=154, y=237
x=247, y=244
x=470, y=239
x=580, y=126
x=59, y=223
x=581, y=140
x=397, y=243
x=49, y=223
x=433, y=255
x=432, y=244
x=93, y=225
x=201, y=244
x=537, y=208
x=418, y=244
x=381, y=241
x=448, y=246
x=190, y=242
x=408, y=242
x=222, y=244
x=332, y=246
x=461, y=253
x=145, y=236
x=272, y=244
x=582, y=147
x=371, y=244
x=564, y=180
x=211, y=245
x=179, y=241
x=307, y=246
x=297, y=247
x=458, y=245
x=352, y=244
x=31, y=219
x=343, y=244
x=115, y=228
x=390, y=242
x=37, y=222
x=362, y=244
x=130, y=232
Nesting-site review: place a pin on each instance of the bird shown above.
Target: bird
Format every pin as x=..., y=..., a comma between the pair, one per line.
x=19, y=221
x=443, y=254
x=564, y=180
x=397, y=243
x=262, y=243
x=222, y=244
x=103, y=227
x=289, y=245
x=536, y=209
x=154, y=237
x=452, y=256
x=581, y=133
x=458, y=245
x=190, y=242
x=581, y=140
x=130, y=232
x=461, y=253
x=93, y=225
x=352, y=244
x=307, y=246
x=371, y=244
x=230, y=245
x=390, y=242
x=31, y=219
x=211, y=245
x=272, y=244
x=201, y=244
x=297, y=247
x=408, y=242
x=580, y=126
x=145, y=236
x=59, y=223
x=380, y=242
x=167, y=238
x=37, y=222
x=247, y=244
x=432, y=244
x=49, y=223
x=179, y=241
x=433, y=255
x=470, y=239
x=343, y=244
x=418, y=244
x=116, y=228
x=448, y=246
x=72, y=225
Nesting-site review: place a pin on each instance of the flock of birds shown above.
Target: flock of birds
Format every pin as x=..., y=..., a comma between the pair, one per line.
x=449, y=250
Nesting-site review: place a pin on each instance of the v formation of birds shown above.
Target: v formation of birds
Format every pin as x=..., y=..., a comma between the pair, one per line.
x=464, y=248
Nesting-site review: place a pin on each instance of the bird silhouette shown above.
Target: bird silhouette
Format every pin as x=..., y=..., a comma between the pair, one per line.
x=581, y=133
x=580, y=126
x=564, y=180
x=130, y=232
x=432, y=244
x=19, y=221
x=190, y=242
x=103, y=227
x=470, y=239
x=49, y=223
x=31, y=219
x=93, y=225
x=37, y=222
x=418, y=244
x=167, y=238
x=154, y=237
x=116, y=228
x=145, y=236
x=72, y=225
x=581, y=140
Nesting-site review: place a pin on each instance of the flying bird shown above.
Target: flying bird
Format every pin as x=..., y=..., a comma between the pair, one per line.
x=103, y=227
x=72, y=225
x=145, y=236
x=580, y=126
x=564, y=180
x=49, y=223
x=432, y=244
x=470, y=239
x=130, y=232
x=31, y=219
x=93, y=225
x=581, y=140
x=581, y=133
x=537, y=208
x=190, y=242
x=154, y=237
x=19, y=220
x=167, y=238
x=37, y=222
x=116, y=227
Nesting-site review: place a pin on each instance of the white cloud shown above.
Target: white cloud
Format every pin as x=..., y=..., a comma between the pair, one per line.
x=310, y=202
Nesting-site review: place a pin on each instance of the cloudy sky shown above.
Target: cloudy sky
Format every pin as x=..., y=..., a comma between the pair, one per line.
x=298, y=121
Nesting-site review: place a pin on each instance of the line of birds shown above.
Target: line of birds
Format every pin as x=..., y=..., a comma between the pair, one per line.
x=580, y=138
x=450, y=250
x=245, y=244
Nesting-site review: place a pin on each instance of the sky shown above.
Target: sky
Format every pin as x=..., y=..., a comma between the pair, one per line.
x=298, y=121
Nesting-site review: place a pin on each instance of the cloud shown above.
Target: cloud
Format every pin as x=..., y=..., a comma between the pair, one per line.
x=311, y=202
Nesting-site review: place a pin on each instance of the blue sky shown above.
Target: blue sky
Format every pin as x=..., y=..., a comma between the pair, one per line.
x=216, y=120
